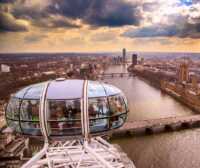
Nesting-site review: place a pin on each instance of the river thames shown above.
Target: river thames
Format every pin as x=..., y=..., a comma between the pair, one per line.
x=179, y=149
x=146, y=101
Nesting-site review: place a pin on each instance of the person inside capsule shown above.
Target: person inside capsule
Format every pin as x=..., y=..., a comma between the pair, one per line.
x=107, y=110
x=65, y=116
x=30, y=113
x=98, y=109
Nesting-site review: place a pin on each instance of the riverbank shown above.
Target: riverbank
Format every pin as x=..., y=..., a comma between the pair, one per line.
x=182, y=95
x=150, y=77
x=155, y=80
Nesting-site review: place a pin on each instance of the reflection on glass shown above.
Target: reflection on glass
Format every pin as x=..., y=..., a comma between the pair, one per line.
x=20, y=94
x=12, y=111
x=34, y=92
x=14, y=125
x=117, y=107
x=31, y=128
x=95, y=89
x=64, y=117
x=98, y=114
x=106, y=113
x=29, y=110
x=29, y=117
x=111, y=90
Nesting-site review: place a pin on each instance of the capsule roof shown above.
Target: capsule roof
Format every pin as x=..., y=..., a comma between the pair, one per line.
x=67, y=89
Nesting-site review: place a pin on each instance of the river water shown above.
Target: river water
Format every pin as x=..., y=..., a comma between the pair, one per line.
x=145, y=101
x=167, y=150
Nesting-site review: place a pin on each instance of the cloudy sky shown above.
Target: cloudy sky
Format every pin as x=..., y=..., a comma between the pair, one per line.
x=99, y=25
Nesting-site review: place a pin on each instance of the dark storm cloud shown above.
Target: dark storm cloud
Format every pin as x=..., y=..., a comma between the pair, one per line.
x=96, y=13
x=71, y=8
x=113, y=13
x=152, y=31
x=177, y=26
x=110, y=13
x=184, y=31
x=10, y=24
x=7, y=1
x=42, y=16
x=21, y=10
x=55, y=23
x=190, y=30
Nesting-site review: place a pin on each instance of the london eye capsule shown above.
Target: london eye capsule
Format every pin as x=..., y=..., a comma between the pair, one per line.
x=61, y=107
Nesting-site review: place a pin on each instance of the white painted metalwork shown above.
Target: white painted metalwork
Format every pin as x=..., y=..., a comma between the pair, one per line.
x=42, y=113
x=84, y=113
x=32, y=162
x=85, y=152
x=96, y=153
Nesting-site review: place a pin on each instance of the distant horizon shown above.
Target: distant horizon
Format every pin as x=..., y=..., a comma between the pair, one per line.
x=92, y=26
x=98, y=52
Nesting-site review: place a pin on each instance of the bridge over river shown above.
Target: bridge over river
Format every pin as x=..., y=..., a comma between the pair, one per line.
x=152, y=111
x=115, y=74
x=157, y=125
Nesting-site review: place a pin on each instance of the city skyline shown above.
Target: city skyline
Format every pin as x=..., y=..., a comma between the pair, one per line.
x=99, y=26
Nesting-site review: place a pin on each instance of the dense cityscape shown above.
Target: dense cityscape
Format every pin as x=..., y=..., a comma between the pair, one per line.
x=180, y=78
x=99, y=84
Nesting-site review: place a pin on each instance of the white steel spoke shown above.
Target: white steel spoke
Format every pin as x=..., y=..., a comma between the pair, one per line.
x=94, y=154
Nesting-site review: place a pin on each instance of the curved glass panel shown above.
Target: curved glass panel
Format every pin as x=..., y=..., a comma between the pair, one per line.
x=64, y=117
x=29, y=110
x=117, y=108
x=107, y=108
x=111, y=90
x=95, y=89
x=12, y=110
x=67, y=89
x=125, y=100
x=20, y=94
x=34, y=91
x=29, y=117
x=98, y=114
x=12, y=114
x=14, y=124
x=106, y=113
x=31, y=128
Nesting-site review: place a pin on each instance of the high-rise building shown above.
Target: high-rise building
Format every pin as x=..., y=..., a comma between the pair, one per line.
x=134, y=59
x=124, y=55
x=183, y=73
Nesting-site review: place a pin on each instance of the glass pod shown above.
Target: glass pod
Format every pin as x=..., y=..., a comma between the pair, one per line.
x=62, y=113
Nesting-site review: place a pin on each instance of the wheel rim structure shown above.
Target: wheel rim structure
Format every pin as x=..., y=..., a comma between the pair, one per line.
x=85, y=151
